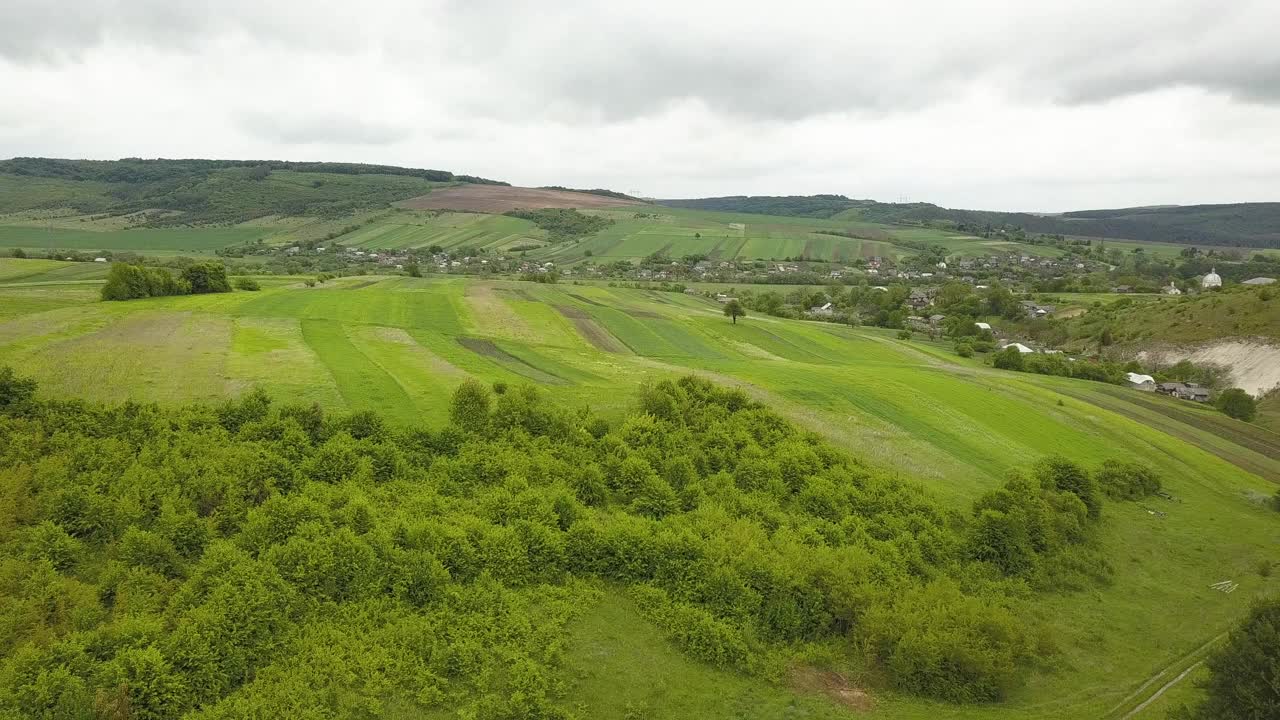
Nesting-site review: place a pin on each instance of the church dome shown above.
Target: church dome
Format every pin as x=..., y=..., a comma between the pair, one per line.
x=1212, y=280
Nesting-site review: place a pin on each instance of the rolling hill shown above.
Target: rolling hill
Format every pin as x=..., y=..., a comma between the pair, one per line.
x=1234, y=225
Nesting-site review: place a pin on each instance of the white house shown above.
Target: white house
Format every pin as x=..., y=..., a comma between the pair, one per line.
x=1141, y=382
x=823, y=311
x=1172, y=289
x=1259, y=281
x=1212, y=280
x=982, y=326
x=1021, y=348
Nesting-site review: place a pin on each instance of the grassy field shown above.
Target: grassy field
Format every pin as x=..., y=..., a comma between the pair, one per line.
x=407, y=229
x=401, y=345
x=164, y=241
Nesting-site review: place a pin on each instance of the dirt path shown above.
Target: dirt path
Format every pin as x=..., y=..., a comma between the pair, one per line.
x=1163, y=688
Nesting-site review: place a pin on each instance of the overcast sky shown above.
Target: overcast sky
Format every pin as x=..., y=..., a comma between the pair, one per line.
x=999, y=105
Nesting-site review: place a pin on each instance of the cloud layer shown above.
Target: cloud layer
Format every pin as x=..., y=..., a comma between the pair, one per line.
x=986, y=104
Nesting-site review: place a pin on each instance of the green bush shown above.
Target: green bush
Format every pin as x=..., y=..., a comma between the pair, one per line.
x=1008, y=359
x=247, y=283
x=1243, y=671
x=1237, y=403
x=904, y=334
x=1127, y=481
x=964, y=350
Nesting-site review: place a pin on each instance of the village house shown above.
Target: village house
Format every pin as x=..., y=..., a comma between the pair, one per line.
x=1259, y=281
x=826, y=310
x=1035, y=311
x=1170, y=388
x=1195, y=393
x=1145, y=383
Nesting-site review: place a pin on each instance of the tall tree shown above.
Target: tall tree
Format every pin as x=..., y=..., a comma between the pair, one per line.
x=734, y=310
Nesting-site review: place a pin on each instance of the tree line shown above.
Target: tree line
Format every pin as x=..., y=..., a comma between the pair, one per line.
x=130, y=282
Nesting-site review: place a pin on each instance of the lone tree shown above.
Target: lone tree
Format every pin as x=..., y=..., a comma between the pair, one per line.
x=734, y=310
x=1244, y=671
x=1238, y=404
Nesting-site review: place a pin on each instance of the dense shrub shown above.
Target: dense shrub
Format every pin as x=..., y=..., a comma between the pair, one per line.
x=563, y=223
x=1127, y=480
x=1243, y=671
x=247, y=283
x=129, y=282
x=1237, y=403
x=1008, y=359
x=235, y=559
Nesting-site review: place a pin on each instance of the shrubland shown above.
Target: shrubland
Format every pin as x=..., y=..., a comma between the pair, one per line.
x=248, y=559
x=130, y=282
x=563, y=223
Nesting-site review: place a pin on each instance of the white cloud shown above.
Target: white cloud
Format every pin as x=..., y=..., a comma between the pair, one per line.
x=982, y=104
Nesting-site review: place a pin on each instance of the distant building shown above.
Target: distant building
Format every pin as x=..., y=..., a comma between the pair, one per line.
x=1170, y=388
x=1212, y=280
x=99, y=259
x=1259, y=281
x=1194, y=393
x=1172, y=289
x=826, y=310
x=983, y=326
x=1021, y=348
x=1146, y=383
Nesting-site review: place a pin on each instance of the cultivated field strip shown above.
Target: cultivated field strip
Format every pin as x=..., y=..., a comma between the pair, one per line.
x=402, y=345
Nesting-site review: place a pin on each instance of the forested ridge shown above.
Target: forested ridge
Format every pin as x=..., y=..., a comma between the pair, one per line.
x=205, y=192
x=1238, y=224
x=255, y=560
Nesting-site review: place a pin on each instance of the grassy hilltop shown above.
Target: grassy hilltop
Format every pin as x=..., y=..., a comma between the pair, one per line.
x=168, y=207
x=1241, y=224
x=914, y=410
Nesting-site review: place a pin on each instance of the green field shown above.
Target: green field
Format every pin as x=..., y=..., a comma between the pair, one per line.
x=406, y=229
x=162, y=241
x=401, y=345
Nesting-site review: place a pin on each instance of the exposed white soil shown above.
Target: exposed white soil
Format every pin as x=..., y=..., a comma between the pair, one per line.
x=1254, y=365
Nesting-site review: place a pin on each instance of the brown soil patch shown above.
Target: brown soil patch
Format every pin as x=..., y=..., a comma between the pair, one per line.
x=833, y=685
x=586, y=300
x=511, y=362
x=500, y=199
x=648, y=314
x=572, y=312
x=592, y=332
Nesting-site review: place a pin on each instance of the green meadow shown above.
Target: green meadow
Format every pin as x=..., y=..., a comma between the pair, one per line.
x=402, y=345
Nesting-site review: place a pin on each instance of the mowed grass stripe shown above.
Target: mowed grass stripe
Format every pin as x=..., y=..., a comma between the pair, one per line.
x=363, y=383
x=428, y=379
x=271, y=353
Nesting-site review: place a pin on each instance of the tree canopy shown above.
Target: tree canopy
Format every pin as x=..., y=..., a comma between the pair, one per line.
x=228, y=561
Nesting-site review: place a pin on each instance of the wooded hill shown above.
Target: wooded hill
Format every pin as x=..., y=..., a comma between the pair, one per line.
x=1239, y=224
x=204, y=192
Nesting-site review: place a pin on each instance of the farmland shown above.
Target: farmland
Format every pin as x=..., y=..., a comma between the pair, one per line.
x=401, y=345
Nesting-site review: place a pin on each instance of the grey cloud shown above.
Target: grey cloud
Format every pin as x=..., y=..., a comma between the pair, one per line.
x=585, y=61
x=320, y=129
x=46, y=31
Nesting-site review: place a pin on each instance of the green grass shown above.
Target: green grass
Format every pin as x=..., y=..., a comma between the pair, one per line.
x=164, y=241
x=401, y=345
x=620, y=666
x=406, y=229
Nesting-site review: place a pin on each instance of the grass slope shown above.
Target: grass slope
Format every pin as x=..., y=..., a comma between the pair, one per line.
x=401, y=345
